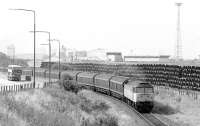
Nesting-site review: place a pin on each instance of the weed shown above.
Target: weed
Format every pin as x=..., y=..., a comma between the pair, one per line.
x=102, y=120
x=70, y=85
x=88, y=106
x=100, y=106
x=178, y=99
x=166, y=109
x=35, y=117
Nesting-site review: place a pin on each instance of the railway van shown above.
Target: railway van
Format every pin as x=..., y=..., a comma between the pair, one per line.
x=102, y=83
x=117, y=86
x=86, y=80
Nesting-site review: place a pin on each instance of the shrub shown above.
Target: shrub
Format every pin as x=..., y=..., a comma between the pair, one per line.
x=164, y=109
x=178, y=99
x=70, y=85
x=36, y=117
x=88, y=106
x=100, y=105
x=65, y=76
x=107, y=120
x=102, y=120
x=156, y=93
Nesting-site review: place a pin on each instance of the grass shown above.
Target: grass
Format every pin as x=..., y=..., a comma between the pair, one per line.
x=35, y=117
x=165, y=109
x=53, y=106
x=87, y=105
x=103, y=120
x=179, y=108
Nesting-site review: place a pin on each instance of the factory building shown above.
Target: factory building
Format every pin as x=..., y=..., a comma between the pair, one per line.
x=161, y=58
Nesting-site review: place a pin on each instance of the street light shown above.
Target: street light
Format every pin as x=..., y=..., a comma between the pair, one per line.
x=59, y=56
x=49, y=53
x=49, y=60
x=34, y=29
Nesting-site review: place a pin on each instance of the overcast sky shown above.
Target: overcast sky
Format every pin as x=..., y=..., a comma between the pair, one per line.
x=147, y=27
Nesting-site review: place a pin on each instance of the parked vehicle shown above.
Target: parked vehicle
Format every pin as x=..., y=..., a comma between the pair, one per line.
x=14, y=72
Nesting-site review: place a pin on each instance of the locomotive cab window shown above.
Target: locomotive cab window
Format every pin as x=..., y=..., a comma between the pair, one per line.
x=139, y=90
x=148, y=90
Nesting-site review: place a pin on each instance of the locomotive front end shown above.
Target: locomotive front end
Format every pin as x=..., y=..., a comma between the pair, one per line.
x=144, y=97
x=141, y=94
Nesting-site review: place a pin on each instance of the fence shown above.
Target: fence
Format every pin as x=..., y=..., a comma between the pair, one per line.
x=195, y=95
x=46, y=84
x=24, y=86
x=15, y=87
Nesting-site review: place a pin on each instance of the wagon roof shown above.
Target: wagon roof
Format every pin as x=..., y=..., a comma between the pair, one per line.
x=119, y=79
x=87, y=74
x=104, y=76
x=72, y=73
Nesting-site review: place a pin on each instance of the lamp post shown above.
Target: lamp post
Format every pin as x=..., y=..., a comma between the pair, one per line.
x=49, y=52
x=59, y=56
x=34, y=28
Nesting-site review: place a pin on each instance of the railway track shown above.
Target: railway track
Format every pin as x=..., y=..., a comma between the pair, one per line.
x=150, y=119
x=154, y=120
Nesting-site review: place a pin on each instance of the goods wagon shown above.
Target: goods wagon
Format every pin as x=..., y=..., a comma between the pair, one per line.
x=102, y=82
x=86, y=79
x=70, y=75
x=117, y=86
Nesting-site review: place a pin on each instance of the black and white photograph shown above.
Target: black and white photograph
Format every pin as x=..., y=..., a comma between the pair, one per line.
x=100, y=63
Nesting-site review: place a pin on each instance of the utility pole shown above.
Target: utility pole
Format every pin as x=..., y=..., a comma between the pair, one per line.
x=178, y=48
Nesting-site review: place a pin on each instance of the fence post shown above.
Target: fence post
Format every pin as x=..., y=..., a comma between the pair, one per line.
x=19, y=87
x=16, y=88
x=3, y=89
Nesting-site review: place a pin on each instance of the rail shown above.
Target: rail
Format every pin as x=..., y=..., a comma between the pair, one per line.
x=154, y=120
x=151, y=121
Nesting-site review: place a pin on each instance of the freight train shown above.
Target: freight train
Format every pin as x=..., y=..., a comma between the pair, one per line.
x=137, y=93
